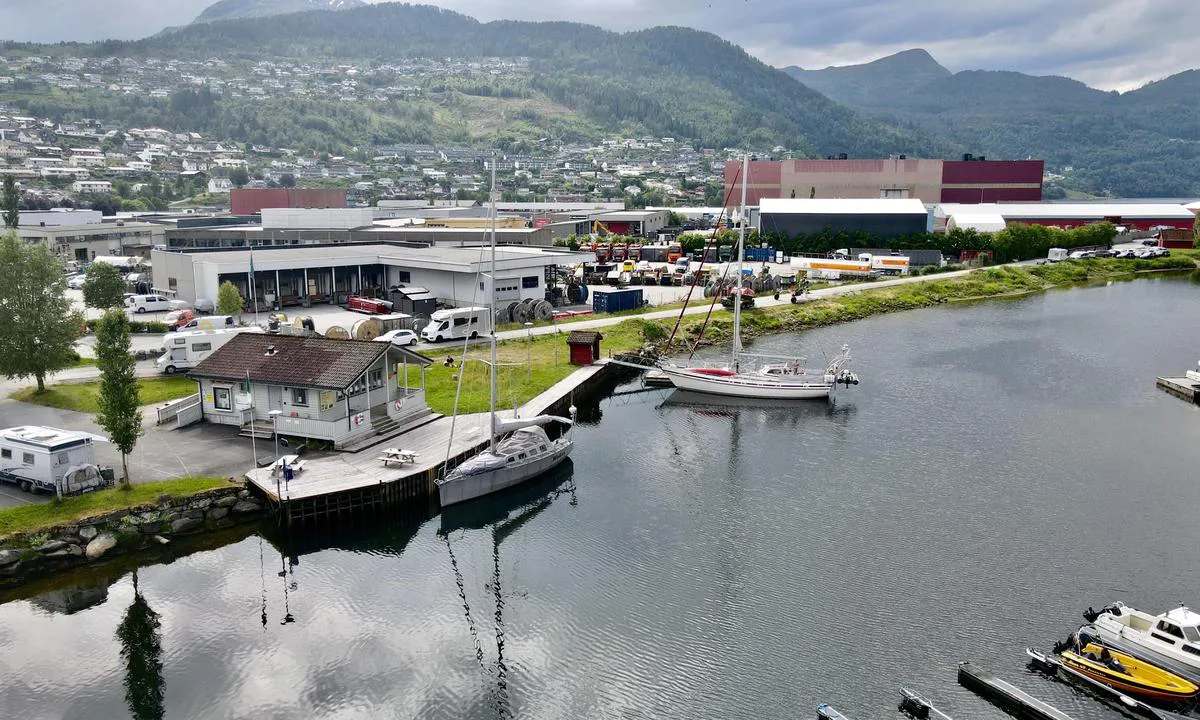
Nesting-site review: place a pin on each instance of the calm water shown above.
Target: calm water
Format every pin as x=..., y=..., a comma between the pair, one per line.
x=1002, y=467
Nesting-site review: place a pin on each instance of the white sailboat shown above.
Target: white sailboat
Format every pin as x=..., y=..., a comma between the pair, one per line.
x=781, y=378
x=519, y=448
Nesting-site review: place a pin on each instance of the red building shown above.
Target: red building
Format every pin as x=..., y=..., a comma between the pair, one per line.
x=247, y=201
x=987, y=181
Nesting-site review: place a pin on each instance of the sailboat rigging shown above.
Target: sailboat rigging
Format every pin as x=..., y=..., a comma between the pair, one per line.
x=518, y=448
x=783, y=378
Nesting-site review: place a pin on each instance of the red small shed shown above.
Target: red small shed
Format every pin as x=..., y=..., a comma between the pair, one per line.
x=585, y=347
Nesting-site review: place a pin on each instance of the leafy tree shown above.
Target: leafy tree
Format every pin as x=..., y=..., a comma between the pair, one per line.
x=238, y=176
x=119, y=412
x=104, y=287
x=12, y=203
x=107, y=204
x=287, y=180
x=141, y=648
x=38, y=329
x=229, y=299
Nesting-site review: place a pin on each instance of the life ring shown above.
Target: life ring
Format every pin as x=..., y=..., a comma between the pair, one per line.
x=358, y=419
x=399, y=403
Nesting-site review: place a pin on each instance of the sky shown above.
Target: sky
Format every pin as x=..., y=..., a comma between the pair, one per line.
x=1108, y=44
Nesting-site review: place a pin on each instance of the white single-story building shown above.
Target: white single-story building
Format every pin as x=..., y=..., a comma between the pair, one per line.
x=314, y=274
x=335, y=390
x=981, y=222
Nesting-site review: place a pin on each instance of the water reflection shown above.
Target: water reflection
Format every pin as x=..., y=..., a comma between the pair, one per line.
x=140, y=637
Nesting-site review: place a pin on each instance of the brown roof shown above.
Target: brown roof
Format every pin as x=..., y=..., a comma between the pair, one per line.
x=300, y=361
x=583, y=337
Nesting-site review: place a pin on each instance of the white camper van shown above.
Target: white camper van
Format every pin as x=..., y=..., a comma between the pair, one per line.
x=184, y=350
x=458, y=323
x=46, y=459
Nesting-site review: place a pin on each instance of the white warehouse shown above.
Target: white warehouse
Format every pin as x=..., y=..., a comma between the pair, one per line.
x=308, y=275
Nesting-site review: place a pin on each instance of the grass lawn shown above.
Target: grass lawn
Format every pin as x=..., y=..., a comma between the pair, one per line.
x=83, y=397
x=29, y=518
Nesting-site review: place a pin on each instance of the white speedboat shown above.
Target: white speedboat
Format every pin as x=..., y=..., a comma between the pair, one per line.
x=1193, y=375
x=1174, y=635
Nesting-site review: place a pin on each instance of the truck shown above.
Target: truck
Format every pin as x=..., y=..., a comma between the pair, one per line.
x=50, y=460
x=185, y=350
x=468, y=322
x=890, y=264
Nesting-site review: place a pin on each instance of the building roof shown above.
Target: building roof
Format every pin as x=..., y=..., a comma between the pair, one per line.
x=842, y=206
x=48, y=438
x=583, y=337
x=1194, y=207
x=295, y=360
x=983, y=222
x=1073, y=211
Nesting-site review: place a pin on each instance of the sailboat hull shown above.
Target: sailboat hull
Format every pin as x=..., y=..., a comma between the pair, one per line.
x=461, y=488
x=747, y=385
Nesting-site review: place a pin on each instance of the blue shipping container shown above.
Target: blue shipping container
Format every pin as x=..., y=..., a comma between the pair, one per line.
x=616, y=301
x=753, y=254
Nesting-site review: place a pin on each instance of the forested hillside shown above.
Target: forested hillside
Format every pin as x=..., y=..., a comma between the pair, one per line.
x=1140, y=143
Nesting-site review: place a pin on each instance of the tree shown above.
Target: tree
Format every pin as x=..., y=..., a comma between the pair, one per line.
x=229, y=299
x=119, y=414
x=38, y=329
x=140, y=636
x=238, y=176
x=287, y=180
x=12, y=203
x=104, y=287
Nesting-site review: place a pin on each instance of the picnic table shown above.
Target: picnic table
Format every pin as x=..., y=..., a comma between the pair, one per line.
x=287, y=462
x=398, y=455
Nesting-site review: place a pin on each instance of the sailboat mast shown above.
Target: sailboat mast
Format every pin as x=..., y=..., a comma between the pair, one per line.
x=492, y=310
x=741, y=251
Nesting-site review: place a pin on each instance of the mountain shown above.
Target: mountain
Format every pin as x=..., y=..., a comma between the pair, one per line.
x=1141, y=143
x=582, y=81
x=862, y=84
x=240, y=9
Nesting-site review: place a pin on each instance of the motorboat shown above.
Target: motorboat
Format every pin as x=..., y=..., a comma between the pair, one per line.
x=1193, y=375
x=1174, y=635
x=1128, y=674
x=825, y=712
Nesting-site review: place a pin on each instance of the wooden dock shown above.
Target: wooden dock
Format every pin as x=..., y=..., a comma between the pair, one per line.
x=1181, y=387
x=336, y=485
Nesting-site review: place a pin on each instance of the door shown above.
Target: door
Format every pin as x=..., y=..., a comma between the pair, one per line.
x=274, y=400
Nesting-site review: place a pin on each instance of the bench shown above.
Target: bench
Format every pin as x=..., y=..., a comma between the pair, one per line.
x=398, y=455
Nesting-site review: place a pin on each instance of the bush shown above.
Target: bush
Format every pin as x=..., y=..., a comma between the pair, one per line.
x=153, y=327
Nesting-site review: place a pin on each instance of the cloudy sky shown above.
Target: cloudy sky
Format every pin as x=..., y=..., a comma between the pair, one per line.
x=1110, y=44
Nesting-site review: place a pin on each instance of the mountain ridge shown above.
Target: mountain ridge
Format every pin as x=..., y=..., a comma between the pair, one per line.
x=242, y=9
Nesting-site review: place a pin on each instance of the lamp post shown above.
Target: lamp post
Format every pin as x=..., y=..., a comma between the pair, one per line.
x=555, y=320
x=276, y=466
x=529, y=350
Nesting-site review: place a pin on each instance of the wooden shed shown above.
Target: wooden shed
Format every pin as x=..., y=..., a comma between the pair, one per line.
x=585, y=347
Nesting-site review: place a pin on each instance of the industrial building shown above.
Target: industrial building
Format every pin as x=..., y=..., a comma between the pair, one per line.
x=81, y=235
x=882, y=218
x=247, y=201
x=970, y=180
x=1133, y=215
x=288, y=276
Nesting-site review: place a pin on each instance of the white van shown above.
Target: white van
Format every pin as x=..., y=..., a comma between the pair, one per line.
x=148, y=303
x=186, y=349
x=210, y=322
x=469, y=322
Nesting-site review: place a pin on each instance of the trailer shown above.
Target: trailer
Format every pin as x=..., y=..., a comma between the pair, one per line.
x=185, y=350
x=50, y=460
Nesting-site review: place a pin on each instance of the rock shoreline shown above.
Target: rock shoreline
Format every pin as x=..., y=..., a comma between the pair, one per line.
x=28, y=556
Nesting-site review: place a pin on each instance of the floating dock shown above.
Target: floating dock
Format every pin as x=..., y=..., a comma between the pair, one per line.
x=1006, y=695
x=1181, y=387
x=336, y=486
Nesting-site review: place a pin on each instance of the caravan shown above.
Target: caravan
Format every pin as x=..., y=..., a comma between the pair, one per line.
x=469, y=322
x=186, y=349
x=46, y=459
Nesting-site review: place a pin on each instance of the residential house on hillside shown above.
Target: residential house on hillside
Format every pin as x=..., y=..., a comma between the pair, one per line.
x=335, y=390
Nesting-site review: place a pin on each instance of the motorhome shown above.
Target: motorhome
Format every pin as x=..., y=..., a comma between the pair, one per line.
x=468, y=322
x=184, y=350
x=50, y=460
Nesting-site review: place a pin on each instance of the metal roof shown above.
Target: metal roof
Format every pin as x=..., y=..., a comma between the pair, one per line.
x=984, y=222
x=841, y=206
x=47, y=438
x=1072, y=211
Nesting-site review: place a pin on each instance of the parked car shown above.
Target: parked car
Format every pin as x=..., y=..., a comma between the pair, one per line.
x=1161, y=252
x=1150, y=241
x=1126, y=253
x=147, y=303
x=403, y=338
x=209, y=322
x=1081, y=254
x=75, y=282
x=178, y=318
x=179, y=304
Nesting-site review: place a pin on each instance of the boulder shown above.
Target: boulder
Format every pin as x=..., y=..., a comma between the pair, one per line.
x=225, y=523
x=88, y=532
x=149, y=517
x=245, y=507
x=186, y=524
x=201, y=504
x=57, y=554
x=100, y=545
x=10, y=570
x=149, y=528
x=170, y=517
x=52, y=546
x=243, y=494
x=217, y=513
x=75, y=550
x=226, y=502
x=195, y=513
x=9, y=557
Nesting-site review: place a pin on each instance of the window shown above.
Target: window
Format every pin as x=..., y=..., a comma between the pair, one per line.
x=529, y=282
x=403, y=276
x=64, y=458
x=6, y=454
x=173, y=283
x=1170, y=629
x=300, y=397
x=1193, y=635
x=26, y=458
x=201, y=347
x=376, y=378
x=459, y=322
x=222, y=398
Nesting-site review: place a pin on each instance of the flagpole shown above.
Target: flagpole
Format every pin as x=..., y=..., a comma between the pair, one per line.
x=253, y=294
x=253, y=444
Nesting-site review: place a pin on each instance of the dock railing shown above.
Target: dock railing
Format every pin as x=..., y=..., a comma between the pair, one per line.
x=176, y=409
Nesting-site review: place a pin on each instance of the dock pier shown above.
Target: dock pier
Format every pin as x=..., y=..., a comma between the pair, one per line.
x=1181, y=387
x=341, y=485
